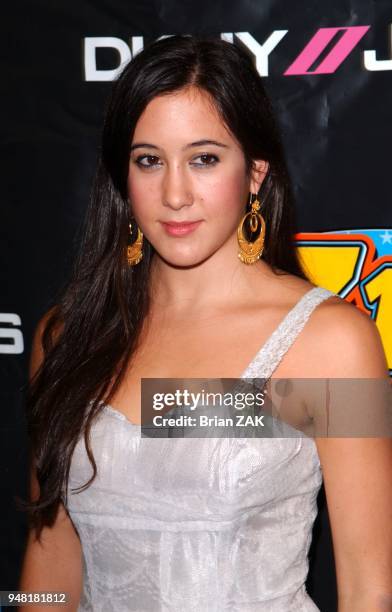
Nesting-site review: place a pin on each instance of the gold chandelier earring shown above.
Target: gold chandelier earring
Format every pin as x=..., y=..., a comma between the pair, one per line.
x=250, y=251
x=134, y=249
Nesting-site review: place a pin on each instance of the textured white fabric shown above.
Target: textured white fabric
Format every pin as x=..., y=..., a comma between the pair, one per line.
x=200, y=524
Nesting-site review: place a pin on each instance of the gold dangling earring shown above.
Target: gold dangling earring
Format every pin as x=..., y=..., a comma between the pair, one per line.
x=250, y=252
x=134, y=250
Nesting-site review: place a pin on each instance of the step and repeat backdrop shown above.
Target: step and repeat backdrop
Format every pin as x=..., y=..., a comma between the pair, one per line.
x=327, y=67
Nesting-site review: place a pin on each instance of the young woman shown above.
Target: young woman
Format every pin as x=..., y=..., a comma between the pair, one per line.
x=174, y=281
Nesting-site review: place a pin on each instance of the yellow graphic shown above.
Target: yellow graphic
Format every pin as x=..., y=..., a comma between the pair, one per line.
x=329, y=267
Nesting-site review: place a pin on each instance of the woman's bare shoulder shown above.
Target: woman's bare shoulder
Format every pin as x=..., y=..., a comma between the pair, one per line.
x=343, y=341
x=338, y=341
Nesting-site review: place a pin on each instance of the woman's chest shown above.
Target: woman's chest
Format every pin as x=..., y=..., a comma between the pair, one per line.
x=207, y=355
x=189, y=479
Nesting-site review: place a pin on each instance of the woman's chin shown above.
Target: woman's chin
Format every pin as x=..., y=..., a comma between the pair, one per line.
x=182, y=259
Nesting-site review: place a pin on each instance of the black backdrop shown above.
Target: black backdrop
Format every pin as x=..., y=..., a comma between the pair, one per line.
x=333, y=106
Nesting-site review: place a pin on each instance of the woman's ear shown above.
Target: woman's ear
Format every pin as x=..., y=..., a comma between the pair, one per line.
x=258, y=174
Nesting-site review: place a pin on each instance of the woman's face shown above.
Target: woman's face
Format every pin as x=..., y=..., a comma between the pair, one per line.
x=178, y=174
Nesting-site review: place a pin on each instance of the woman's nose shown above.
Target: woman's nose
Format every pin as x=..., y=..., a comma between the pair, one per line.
x=176, y=189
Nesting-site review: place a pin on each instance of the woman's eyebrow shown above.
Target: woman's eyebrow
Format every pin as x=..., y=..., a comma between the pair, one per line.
x=197, y=143
x=140, y=145
x=205, y=141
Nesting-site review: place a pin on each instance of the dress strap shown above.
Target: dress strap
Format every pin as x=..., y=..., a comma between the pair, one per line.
x=272, y=352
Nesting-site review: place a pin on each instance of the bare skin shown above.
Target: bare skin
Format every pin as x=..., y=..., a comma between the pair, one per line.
x=217, y=342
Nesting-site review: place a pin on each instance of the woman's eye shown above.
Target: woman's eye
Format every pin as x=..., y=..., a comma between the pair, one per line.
x=139, y=159
x=213, y=159
x=150, y=161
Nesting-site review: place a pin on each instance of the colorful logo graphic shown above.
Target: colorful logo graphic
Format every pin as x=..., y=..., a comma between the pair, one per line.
x=323, y=54
x=356, y=264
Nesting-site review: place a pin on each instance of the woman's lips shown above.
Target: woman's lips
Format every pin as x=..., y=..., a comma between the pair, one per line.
x=180, y=229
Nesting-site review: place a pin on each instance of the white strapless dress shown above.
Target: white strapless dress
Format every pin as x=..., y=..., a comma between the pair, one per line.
x=198, y=524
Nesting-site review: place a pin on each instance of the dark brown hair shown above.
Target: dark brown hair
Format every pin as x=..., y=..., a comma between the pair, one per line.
x=101, y=310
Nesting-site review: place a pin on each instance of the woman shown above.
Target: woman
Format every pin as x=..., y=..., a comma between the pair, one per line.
x=195, y=524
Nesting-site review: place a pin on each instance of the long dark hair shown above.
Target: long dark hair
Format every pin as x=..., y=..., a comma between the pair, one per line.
x=94, y=325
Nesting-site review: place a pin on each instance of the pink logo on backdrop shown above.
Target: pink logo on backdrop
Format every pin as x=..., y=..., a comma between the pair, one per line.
x=344, y=45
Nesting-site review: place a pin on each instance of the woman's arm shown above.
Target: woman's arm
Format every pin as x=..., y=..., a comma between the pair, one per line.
x=357, y=471
x=55, y=563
